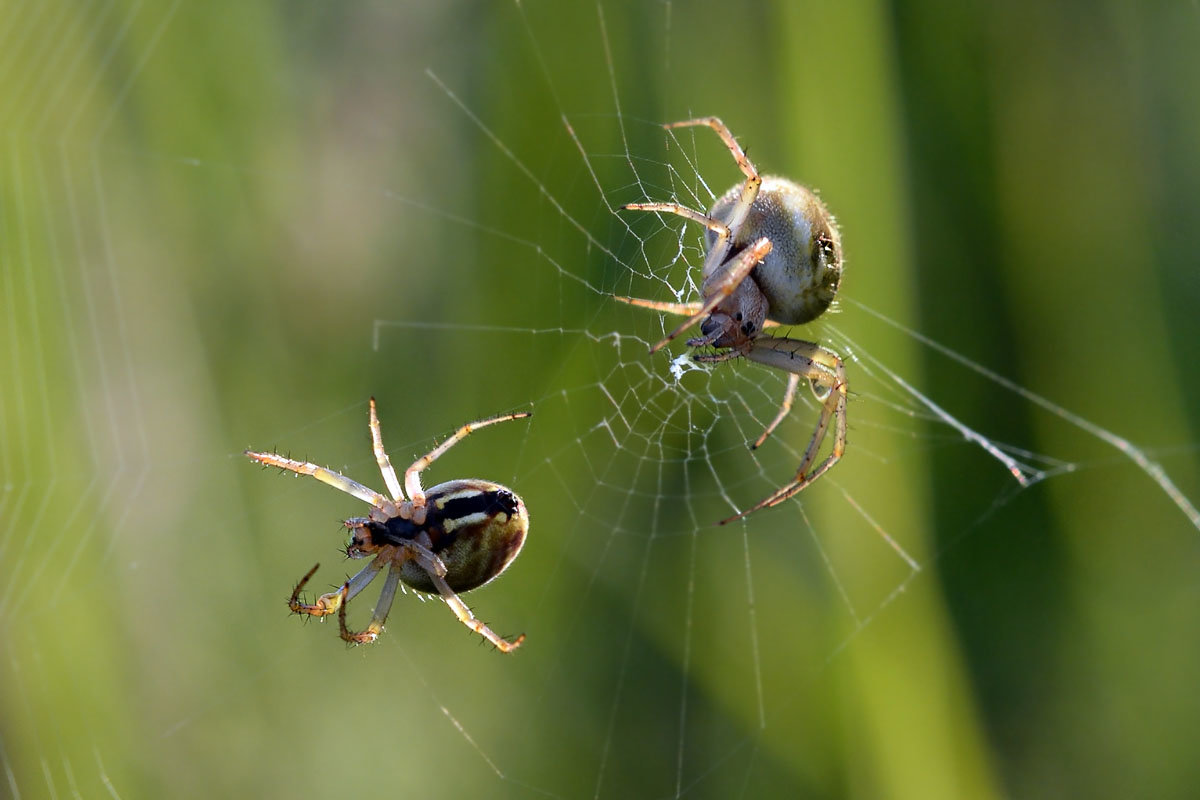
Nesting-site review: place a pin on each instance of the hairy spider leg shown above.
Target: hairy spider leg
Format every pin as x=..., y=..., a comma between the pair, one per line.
x=678, y=309
x=412, y=476
x=737, y=215
x=722, y=130
x=327, y=476
x=714, y=225
x=331, y=602
x=808, y=360
x=789, y=395
x=381, y=458
x=437, y=570
x=827, y=369
x=382, y=608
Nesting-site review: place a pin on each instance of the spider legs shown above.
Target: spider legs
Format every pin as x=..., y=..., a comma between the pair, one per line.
x=714, y=225
x=465, y=616
x=739, y=155
x=381, y=457
x=333, y=601
x=822, y=367
x=327, y=476
x=737, y=216
x=412, y=476
x=338, y=600
x=785, y=408
x=801, y=360
x=382, y=608
x=433, y=565
x=679, y=309
x=395, y=557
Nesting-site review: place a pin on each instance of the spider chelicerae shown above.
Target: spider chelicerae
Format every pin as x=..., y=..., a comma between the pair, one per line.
x=450, y=539
x=773, y=256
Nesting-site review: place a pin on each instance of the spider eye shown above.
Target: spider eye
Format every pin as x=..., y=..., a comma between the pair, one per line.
x=361, y=542
x=825, y=245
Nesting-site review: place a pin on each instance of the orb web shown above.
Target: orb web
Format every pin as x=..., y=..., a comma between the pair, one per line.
x=181, y=281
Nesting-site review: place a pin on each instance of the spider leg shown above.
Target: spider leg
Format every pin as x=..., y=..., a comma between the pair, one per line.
x=807, y=360
x=714, y=225
x=785, y=407
x=737, y=216
x=381, y=457
x=739, y=155
x=716, y=292
x=678, y=309
x=331, y=602
x=712, y=358
x=327, y=476
x=386, y=598
x=433, y=565
x=412, y=476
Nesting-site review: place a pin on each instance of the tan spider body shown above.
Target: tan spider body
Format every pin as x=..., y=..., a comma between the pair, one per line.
x=800, y=276
x=773, y=257
x=452, y=538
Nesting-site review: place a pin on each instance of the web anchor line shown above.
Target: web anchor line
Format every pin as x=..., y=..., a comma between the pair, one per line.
x=1134, y=453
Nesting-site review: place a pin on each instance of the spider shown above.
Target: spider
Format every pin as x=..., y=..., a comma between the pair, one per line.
x=452, y=538
x=773, y=256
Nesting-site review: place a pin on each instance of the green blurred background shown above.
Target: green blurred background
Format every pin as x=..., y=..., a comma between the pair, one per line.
x=226, y=224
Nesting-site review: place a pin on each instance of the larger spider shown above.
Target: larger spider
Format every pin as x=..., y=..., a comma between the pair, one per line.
x=773, y=257
x=454, y=538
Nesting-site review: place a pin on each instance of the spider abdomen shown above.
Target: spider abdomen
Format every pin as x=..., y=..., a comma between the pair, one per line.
x=801, y=274
x=474, y=526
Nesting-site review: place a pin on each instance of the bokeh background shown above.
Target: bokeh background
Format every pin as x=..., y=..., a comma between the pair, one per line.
x=226, y=224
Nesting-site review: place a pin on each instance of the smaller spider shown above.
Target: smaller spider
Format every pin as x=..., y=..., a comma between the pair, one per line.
x=772, y=256
x=452, y=538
